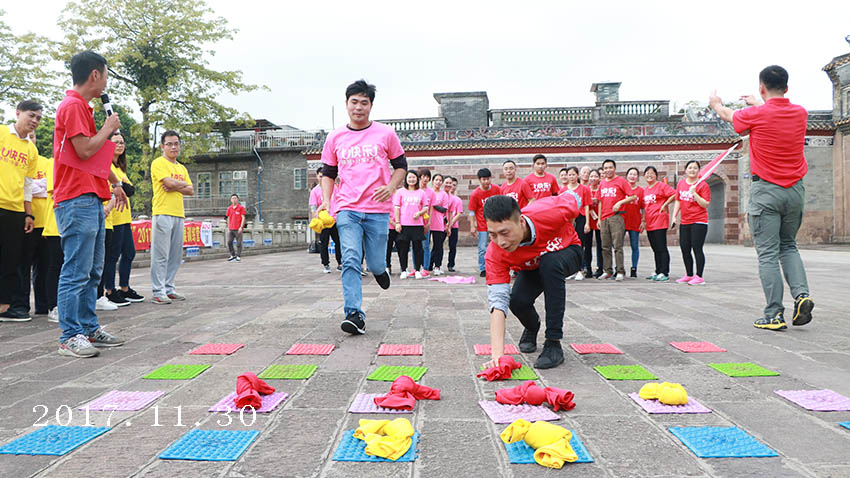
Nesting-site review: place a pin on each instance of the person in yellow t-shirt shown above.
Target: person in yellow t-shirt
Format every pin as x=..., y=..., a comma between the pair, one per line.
x=103, y=302
x=54, y=249
x=122, y=245
x=32, y=268
x=170, y=183
x=18, y=168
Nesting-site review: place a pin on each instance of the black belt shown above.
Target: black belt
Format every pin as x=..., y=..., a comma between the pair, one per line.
x=756, y=177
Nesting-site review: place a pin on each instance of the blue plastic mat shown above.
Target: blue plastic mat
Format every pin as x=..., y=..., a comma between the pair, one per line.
x=210, y=445
x=721, y=442
x=520, y=453
x=52, y=440
x=845, y=425
x=354, y=449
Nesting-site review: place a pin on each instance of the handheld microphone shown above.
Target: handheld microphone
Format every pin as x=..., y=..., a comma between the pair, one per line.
x=104, y=98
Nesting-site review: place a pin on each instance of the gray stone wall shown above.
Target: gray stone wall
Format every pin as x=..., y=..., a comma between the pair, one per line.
x=464, y=110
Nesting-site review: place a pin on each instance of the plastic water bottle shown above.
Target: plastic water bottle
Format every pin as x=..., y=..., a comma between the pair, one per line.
x=331, y=247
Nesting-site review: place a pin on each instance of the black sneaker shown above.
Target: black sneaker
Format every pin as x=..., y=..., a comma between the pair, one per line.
x=117, y=298
x=633, y=273
x=598, y=273
x=528, y=341
x=803, y=306
x=483, y=274
x=354, y=323
x=339, y=267
x=776, y=323
x=383, y=280
x=132, y=295
x=551, y=356
x=451, y=269
x=14, y=316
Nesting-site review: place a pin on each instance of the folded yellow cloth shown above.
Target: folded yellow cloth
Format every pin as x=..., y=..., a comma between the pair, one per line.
x=385, y=438
x=327, y=219
x=551, y=443
x=665, y=392
x=317, y=225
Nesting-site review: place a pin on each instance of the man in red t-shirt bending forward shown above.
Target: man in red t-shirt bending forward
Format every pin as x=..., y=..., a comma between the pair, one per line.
x=540, y=243
x=777, y=166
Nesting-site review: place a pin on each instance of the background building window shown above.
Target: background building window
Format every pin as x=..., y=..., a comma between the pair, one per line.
x=233, y=182
x=203, y=189
x=300, y=178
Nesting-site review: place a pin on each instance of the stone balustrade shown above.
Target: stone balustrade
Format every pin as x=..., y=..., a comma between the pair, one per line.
x=539, y=116
x=415, y=124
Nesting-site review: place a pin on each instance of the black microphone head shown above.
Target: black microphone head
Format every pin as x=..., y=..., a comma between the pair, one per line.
x=104, y=98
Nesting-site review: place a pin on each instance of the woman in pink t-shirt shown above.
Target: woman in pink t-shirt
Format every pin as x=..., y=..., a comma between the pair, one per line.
x=656, y=198
x=438, y=224
x=692, y=200
x=409, y=207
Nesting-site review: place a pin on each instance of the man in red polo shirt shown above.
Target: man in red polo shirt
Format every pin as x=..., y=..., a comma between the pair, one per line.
x=477, y=225
x=539, y=242
x=235, y=223
x=542, y=184
x=614, y=193
x=79, y=197
x=777, y=166
x=515, y=187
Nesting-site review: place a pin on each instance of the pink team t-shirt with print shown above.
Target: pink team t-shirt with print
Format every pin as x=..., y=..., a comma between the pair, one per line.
x=438, y=219
x=363, y=161
x=316, y=196
x=409, y=202
x=456, y=208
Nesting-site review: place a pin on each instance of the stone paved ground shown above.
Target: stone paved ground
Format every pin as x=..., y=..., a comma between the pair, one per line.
x=270, y=302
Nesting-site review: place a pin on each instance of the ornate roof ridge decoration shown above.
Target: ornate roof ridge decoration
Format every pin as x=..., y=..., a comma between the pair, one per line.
x=837, y=61
x=843, y=121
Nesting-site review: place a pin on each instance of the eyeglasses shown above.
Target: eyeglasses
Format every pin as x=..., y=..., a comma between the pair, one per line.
x=172, y=145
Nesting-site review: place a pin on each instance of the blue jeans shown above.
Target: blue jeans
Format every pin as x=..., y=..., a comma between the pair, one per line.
x=483, y=239
x=634, y=245
x=361, y=232
x=426, y=247
x=80, y=222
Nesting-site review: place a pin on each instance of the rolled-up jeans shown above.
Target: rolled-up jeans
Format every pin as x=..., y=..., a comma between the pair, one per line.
x=483, y=240
x=359, y=233
x=80, y=223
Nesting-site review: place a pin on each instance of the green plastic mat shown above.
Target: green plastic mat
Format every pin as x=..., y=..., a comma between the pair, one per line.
x=522, y=373
x=176, y=372
x=289, y=372
x=625, y=372
x=388, y=373
x=746, y=369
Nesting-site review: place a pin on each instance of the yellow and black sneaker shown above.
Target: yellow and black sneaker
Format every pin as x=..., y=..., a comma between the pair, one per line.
x=776, y=323
x=803, y=306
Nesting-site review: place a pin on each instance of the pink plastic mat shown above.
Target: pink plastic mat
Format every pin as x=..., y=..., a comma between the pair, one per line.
x=217, y=349
x=484, y=349
x=365, y=403
x=311, y=349
x=817, y=400
x=654, y=406
x=270, y=402
x=400, y=349
x=454, y=279
x=502, y=413
x=595, y=349
x=697, y=347
x=123, y=401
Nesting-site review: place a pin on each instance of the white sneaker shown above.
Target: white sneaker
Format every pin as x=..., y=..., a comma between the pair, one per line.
x=572, y=277
x=326, y=269
x=620, y=277
x=418, y=275
x=604, y=276
x=104, y=304
x=53, y=315
x=579, y=276
x=437, y=271
x=403, y=275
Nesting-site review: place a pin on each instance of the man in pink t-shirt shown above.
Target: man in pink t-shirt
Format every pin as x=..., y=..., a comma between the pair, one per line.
x=368, y=159
x=542, y=184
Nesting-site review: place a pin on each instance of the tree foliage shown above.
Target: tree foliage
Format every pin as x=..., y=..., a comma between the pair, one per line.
x=25, y=71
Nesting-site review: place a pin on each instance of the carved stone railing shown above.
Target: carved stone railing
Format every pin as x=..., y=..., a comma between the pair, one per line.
x=416, y=124
x=536, y=116
x=273, y=139
x=634, y=109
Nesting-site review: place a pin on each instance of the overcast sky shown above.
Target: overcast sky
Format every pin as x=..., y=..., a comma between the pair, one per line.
x=523, y=54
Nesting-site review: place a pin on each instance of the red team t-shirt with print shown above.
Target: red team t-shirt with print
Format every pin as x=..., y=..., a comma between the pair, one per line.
x=594, y=206
x=632, y=210
x=476, y=204
x=553, y=224
x=542, y=187
x=519, y=190
x=583, y=193
x=653, y=199
x=692, y=213
x=611, y=192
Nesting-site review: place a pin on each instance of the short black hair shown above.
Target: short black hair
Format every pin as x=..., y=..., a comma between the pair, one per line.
x=774, y=78
x=630, y=170
x=563, y=170
x=652, y=168
x=501, y=208
x=438, y=174
x=168, y=133
x=509, y=161
x=360, y=87
x=424, y=172
x=609, y=161
x=83, y=63
x=408, y=173
x=234, y=194
x=695, y=162
x=573, y=168
x=29, y=105
x=319, y=169
x=484, y=173
x=539, y=156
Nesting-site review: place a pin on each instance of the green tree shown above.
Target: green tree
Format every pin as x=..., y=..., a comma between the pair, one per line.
x=25, y=71
x=130, y=130
x=158, y=53
x=44, y=136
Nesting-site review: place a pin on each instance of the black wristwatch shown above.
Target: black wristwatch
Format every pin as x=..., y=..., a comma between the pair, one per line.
x=30, y=216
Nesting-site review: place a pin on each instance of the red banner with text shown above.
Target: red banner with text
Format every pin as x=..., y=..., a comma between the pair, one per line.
x=195, y=234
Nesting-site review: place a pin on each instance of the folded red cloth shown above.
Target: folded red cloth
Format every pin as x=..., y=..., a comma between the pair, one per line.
x=404, y=392
x=502, y=371
x=527, y=392
x=559, y=398
x=248, y=390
